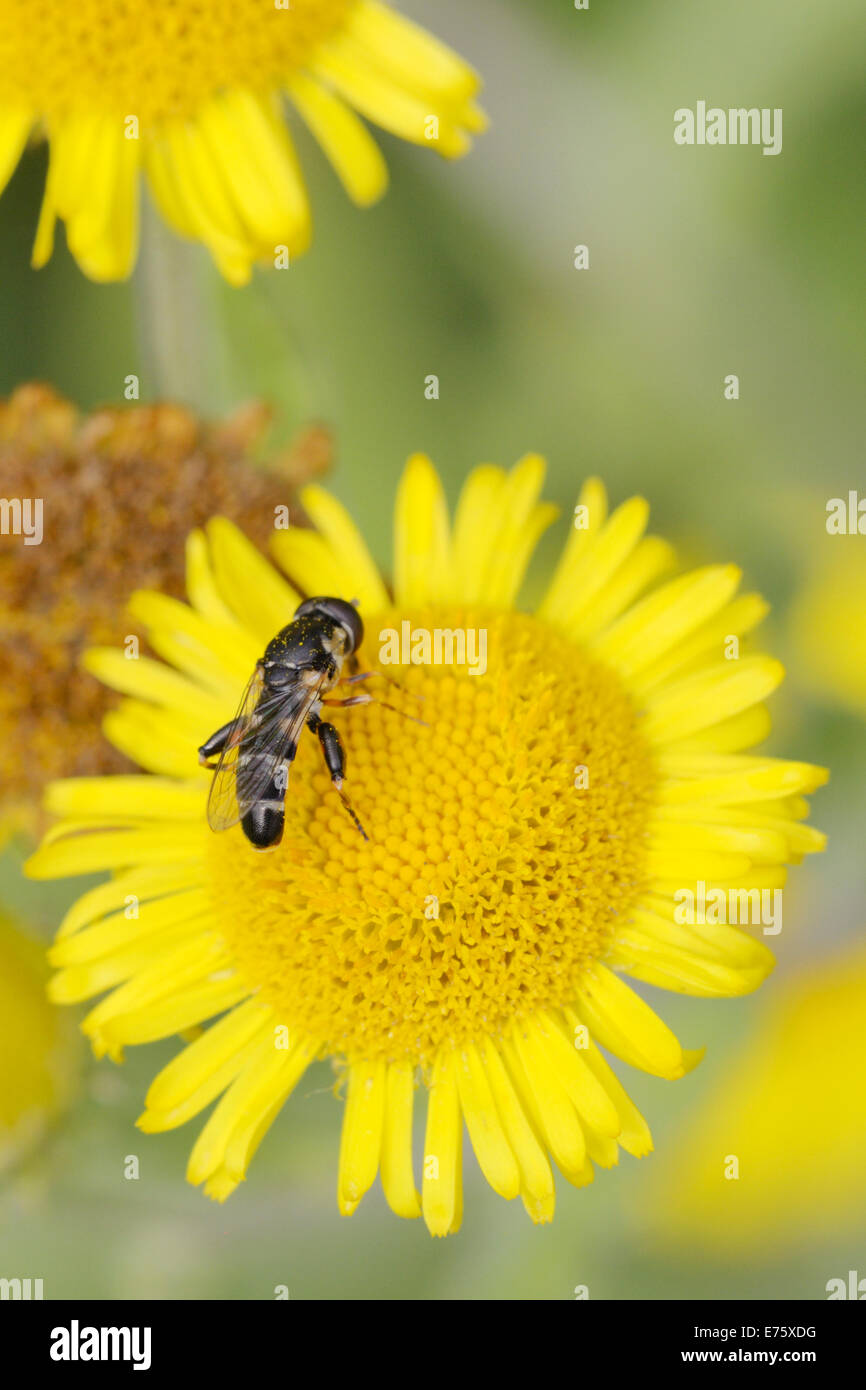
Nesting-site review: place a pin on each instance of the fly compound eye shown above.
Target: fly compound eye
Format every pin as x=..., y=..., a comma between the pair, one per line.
x=339, y=611
x=349, y=619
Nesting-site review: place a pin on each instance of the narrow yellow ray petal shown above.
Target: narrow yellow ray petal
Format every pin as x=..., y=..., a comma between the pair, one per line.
x=139, y=796
x=168, y=1016
x=398, y=1180
x=589, y=517
x=735, y=619
x=43, y=242
x=361, y=1139
x=339, y=530
x=589, y=1098
x=597, y=564
x=158, y=740
x=737, y=780
x=683, y=866
x=457, y=1218
x=107, y=251
x=144, y=884
x=201, y=586
x=15, y=124
x=634, y=1135
x=560, y=1125
x=260, y=168
x=408, y=53
x=89, y=852
x=506, y=585
x=250, y=1097
x=270, y=1099
x=308, y=560
x=72, y=146
x=357, y=159
x=474, y=537
x=167, y=188
x=185, y=966
x=621, y=1021
x=421, y=538
x=489, y=1140
x=743, y=730
x=650, y=559
x=540, y=1210
x=221, y=657
x=190, y=1069
x=648, y=957
x=147, y=679
x=340, y=61
x=157, y=1119
x=515, y=531
x=711, y=940
x=199, y=185
x=256, y=592
x=755, y=815
x=198, y=203
x=131, y=953
x=759, y=843
x=117, y=931
x=440, y=1192
x=534, y=1166
x=716, y=694
x=658, y=622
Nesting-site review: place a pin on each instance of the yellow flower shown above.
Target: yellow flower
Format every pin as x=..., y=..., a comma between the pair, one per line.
x=826, y=624
x=192, y=96
x=776, y=1153
x=39, y=1053
x=524, y=846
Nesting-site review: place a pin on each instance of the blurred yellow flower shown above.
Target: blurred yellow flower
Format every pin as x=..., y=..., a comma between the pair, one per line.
x=191, y=95
x=523, y=856
x=827, y=623
x=40, y=1054
x=776, y=1154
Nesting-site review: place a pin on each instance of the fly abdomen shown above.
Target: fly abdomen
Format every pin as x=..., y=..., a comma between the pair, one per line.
x=263, y=825
x=263, y=822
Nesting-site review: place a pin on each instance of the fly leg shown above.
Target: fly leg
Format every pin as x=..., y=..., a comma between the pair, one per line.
x=335, y=761
x=371, y=700
x=366, y=675
x=226, y=737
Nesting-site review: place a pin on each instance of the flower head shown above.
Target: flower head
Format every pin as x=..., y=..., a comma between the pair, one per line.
x=526, y=843
x=191, y=96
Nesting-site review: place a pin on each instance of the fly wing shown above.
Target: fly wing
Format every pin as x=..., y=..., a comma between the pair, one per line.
x=266, y=734
x=222, y=804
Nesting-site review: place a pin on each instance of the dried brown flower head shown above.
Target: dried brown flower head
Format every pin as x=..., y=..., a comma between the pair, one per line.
x=121, y=489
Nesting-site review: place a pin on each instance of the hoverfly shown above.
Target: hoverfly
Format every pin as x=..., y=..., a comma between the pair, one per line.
x=286, y=691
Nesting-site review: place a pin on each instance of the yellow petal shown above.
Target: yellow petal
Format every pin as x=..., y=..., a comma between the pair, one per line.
x=621, y=1021
x=489, y=1140
x=441, y=1188
x=398, y=1180
x=421, y=539
x=362, y=1133
x=350, y=147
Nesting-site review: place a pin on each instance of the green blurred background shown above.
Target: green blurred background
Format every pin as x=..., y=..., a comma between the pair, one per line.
x=703, y=262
